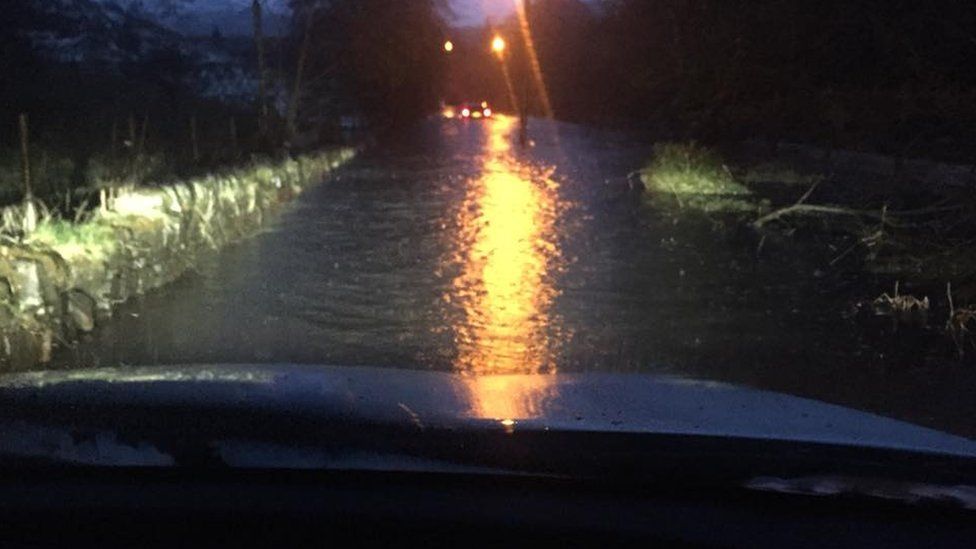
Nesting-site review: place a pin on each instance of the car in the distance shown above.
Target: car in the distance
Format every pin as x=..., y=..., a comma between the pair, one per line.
x=469, y=110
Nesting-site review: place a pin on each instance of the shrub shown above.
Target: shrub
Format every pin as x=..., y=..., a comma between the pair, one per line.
x=93, y=239
x=694, y=178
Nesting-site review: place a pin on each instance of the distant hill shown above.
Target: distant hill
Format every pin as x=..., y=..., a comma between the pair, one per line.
x=230, y=22
x=91, y=32
x=101, y=35
x=200, y=17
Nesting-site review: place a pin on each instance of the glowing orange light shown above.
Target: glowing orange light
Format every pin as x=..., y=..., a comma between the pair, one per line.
x=504, y=287
x=449, y=112
x=508, y=399
x=507, y=226
x=484, y=104
x=448, y=46
x=498, y=45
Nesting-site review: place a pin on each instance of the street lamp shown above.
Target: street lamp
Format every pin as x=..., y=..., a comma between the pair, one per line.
x=498, y=45
x=449, y=46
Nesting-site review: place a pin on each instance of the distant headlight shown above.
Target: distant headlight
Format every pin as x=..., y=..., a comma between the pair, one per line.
x=466, y=113
x=488, y=112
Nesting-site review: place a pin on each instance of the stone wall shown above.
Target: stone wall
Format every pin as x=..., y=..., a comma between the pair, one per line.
x=64, y=279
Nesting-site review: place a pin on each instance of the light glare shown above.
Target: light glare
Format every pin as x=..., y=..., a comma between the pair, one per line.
x=498, y=45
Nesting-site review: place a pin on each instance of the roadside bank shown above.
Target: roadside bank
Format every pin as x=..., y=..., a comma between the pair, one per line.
x=898, y=231
x=63, y=278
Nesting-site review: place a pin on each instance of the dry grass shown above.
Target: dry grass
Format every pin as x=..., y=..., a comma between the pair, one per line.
x=694, y=178
x=204, y=209
x=959, y=323
x=900, y=305
x=94, y=239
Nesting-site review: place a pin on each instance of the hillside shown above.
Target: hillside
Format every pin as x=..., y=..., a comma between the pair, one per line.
x=201, y=17
x=103, y=36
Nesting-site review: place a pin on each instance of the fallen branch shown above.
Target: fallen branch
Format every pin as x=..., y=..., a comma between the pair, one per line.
x=812, y=209
x=959, y=322
x=879, y=215
x=807, y=194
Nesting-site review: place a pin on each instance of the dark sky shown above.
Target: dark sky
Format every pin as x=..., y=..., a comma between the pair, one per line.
x=474, y=12
x=469, y=12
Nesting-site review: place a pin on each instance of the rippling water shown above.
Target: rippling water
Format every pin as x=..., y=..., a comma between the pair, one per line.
x=451, y=248
x=507, y=252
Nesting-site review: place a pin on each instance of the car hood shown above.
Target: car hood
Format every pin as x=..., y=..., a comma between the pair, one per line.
x=594, y=403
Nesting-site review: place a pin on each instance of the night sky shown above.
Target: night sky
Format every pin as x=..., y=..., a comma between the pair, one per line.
x=467, y=12
x=473, y=12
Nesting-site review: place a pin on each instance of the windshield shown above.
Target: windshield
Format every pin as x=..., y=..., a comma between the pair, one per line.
x=773, y=195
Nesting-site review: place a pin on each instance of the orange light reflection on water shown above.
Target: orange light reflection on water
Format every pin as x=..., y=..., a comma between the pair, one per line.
x=509, y=255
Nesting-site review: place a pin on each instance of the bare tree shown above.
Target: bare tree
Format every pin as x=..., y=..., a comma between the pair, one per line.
x=257, y=12
x=292, y=116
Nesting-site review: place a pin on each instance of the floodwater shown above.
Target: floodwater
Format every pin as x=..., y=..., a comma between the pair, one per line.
x=453, y=248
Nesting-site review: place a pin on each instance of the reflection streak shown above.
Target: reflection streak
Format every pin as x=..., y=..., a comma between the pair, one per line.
x=508, y=254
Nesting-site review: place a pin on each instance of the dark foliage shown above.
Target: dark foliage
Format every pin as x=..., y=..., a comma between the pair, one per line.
x=889, y=75
x=118, y=78
x=379, y=58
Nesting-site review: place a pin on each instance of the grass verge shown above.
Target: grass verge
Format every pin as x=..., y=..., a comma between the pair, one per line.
x=692, y=177
x=57, y=276
x=893, y=231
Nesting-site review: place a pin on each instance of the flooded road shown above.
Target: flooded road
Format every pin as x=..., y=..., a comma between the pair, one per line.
x=452, y=248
